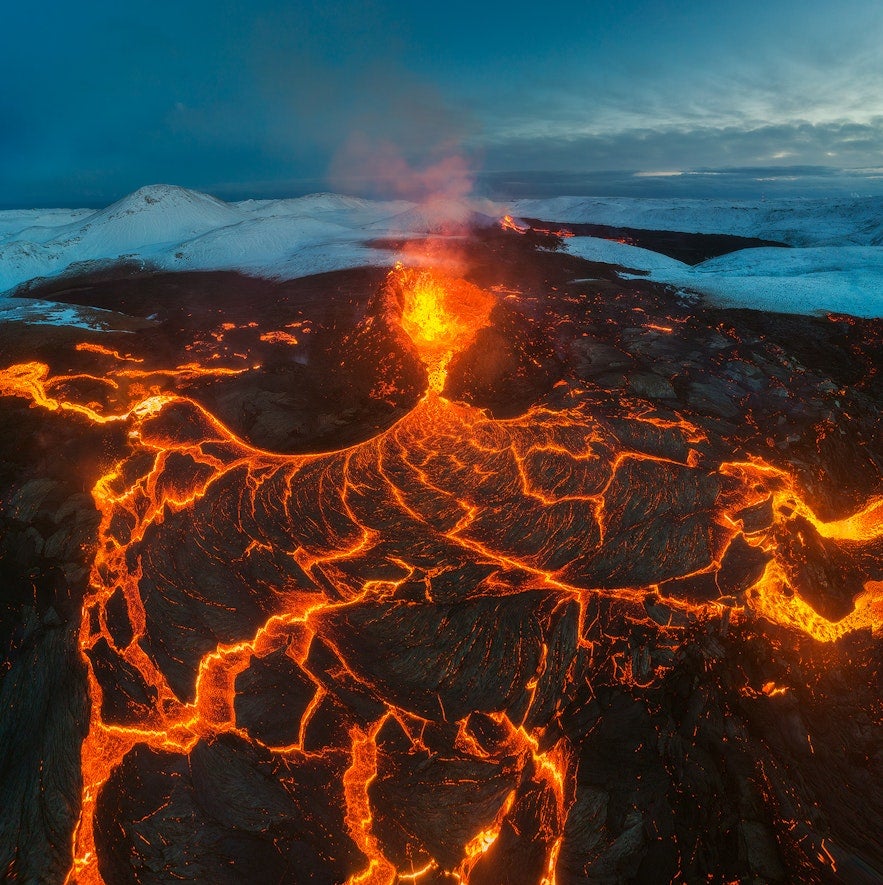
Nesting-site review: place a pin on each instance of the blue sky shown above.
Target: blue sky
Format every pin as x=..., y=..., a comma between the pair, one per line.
x=264, y=98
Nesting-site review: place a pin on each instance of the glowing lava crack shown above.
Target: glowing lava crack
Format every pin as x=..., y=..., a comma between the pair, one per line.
x=351, y=666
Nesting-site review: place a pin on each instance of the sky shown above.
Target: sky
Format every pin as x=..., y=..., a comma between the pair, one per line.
x=276, y=98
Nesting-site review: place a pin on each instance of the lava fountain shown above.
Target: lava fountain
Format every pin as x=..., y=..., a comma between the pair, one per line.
x=440, y=315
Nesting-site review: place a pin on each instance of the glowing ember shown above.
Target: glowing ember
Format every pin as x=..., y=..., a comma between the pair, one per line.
x=279, y=337
x=507, y=222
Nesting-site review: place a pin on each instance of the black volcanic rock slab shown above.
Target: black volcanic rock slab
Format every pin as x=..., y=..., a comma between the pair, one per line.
x=507, y=368
x=429, y=805
x=272, y=694
x=44, y=716
x=445, y=660
x=226, y=815
x=520, y=851
x=741, y=566
x=664, y=532
x=829, y=576
x=355, y=699
x=116, y=613
x=126, y=698
x=562, y=671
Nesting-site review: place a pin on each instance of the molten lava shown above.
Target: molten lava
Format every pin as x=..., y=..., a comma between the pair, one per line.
x=507, y=222
x=440, y=315
x=223, y=569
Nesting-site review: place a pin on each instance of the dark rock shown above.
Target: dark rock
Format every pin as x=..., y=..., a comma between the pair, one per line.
x=116, y=614
x=444, y=661
x=651, y=386
x=24, y=504
x=125, y=696
x=227, y=816
x=272, y=694
x=429, y=807
x=44, y=716
x=757, y=517
x=741, y=567
x=590, y=358
x=713, y=396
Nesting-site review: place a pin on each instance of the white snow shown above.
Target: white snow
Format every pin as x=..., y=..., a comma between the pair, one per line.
x=836, y=279
x=37, y=312
x=613, y=252
x=836, y=263
x=856, y=221
x=171, y=228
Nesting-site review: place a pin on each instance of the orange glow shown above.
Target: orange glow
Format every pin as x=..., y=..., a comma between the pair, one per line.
x=773, y=596
x=105, y=351
x=279, y=338
x=358, y=809
x=441, y=315
x=865, y=525
x=507, y=222
x=483, y=840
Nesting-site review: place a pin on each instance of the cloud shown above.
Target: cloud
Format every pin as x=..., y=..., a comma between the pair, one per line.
x=723, y=183
x=226, y=97
x=799, y=143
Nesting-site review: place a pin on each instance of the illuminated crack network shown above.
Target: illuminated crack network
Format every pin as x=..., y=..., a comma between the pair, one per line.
x=224, y=571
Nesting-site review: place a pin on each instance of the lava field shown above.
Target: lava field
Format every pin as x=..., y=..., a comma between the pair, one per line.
x=494, y=567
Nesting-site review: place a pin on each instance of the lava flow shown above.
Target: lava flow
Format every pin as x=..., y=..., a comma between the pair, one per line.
x=360, y=666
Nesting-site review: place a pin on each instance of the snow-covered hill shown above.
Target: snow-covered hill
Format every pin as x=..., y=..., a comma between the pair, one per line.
x=171, y=228
x=836, y=262
x=799, y=222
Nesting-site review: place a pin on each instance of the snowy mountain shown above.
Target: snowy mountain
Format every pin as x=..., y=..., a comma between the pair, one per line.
x=152, y=215
x=172, y=228
x=36, y=225
x=836, y=263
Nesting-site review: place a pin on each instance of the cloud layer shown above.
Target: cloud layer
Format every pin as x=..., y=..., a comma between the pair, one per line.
x=263, y=98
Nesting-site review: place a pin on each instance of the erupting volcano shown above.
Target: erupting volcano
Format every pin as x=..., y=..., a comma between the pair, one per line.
x=534, y=629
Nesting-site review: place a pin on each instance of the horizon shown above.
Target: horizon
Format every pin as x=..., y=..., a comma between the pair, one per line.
x=738, y=184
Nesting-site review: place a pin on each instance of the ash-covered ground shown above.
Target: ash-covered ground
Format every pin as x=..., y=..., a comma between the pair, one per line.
x=604, y=606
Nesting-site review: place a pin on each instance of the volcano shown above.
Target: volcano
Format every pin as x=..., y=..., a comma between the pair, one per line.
x=525, y=574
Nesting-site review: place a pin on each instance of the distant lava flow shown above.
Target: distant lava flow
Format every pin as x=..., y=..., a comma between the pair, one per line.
x=353, y=666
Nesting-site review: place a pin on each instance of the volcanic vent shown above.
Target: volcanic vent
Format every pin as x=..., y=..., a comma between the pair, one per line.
x=408, y=660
